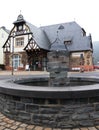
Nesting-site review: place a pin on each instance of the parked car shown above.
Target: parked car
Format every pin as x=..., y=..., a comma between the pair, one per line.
x=96, y=66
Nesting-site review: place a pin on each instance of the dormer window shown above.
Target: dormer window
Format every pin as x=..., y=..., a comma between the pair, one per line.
x=61, y=27
x=67, y=42
x=83, y=32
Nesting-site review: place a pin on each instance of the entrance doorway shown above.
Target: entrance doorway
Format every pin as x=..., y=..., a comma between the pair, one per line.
x=37, y=60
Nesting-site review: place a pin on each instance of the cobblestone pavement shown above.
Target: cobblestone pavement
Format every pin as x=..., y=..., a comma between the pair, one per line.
x=8, y=124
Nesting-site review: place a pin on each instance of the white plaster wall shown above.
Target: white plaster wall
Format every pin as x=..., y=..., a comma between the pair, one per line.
x=3, y=38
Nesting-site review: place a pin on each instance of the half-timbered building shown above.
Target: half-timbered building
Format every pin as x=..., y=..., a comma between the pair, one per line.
x=28, y=45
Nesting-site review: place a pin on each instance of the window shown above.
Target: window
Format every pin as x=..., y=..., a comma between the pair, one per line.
x=83, y=32
x=67, y=42
x=61, y=27
x=78, y=54
x=19, y=42
x=16, y=61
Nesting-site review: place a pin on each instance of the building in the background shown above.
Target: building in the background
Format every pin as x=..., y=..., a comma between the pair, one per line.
x=3, y=37
x=27, y=45
x=96, y=54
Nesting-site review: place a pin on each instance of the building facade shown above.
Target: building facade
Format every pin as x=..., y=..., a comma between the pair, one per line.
x=27, y=45
x=3, y=37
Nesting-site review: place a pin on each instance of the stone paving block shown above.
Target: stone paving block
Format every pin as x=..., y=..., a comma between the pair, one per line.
x=56, y=129
x=17, y=123
x=7, y=129
x=92, y=128
x=23, y=125
x=8, y=125
x=2, y=123
x=14, y=127
x=47, y=128
x=97, y=127
x=30, y=127
x=38, y=128
x=2, y=117
x=66, y=129
x=10, y=121
x=76, y=129
x=5, y=119
x=84, y=128
x=21, y=129
x=2, y=127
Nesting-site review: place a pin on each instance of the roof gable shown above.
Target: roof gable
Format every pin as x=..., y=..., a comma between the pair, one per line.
x=39, y=36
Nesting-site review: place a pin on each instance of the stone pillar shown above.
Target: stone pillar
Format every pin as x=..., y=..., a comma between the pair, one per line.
x=58, y=62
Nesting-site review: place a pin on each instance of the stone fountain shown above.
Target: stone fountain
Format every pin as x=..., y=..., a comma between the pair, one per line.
x=57, y=66
x=57, y=104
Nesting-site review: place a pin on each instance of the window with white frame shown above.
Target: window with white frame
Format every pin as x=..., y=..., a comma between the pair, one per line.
x=16, y=61
x=19, y=42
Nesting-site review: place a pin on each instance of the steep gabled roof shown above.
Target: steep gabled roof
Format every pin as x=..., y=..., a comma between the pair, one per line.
x=39, y=36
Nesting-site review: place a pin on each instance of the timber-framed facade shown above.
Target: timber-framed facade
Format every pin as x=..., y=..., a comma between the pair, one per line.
x=28, y=45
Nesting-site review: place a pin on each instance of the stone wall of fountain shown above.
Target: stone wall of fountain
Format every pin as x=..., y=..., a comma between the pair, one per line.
x=54, y=113
x=58, y=62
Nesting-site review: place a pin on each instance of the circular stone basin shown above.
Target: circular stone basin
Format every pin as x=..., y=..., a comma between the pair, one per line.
x=44, y=82
x=55, y=107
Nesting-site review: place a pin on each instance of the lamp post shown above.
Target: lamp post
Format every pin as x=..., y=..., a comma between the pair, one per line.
x=12, y=54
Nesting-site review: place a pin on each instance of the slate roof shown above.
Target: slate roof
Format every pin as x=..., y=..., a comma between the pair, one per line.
x=68, y=32
x=53, y=36
x=39, y=36
x=46, y=37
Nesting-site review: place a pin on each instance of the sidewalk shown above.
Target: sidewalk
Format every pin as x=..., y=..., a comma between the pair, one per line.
x=23, y=72
x=5, y=72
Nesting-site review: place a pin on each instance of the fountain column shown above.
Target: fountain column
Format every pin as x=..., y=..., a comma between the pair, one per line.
x=58, y=62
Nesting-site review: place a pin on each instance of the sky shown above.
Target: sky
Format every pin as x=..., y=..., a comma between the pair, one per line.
x=48, y=12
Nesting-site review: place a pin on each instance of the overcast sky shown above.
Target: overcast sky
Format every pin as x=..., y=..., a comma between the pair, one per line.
x=46, y=12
